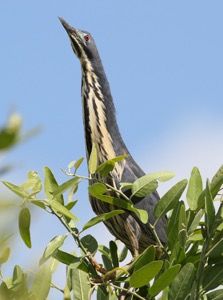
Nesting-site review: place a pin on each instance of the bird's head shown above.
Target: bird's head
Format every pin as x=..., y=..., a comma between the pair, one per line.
x=81, y=41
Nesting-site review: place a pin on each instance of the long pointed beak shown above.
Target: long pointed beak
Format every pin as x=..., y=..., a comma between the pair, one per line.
x=67, y=27
x=74, y=35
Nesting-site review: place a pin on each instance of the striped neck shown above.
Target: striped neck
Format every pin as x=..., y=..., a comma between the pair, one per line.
x=99, y=115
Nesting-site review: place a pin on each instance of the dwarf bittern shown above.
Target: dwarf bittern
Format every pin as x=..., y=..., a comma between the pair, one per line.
x=101, y=129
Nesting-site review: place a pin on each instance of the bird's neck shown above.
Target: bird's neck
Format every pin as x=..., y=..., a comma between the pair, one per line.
x=99, y=115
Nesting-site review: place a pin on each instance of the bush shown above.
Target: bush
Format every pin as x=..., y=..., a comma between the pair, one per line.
x=190, y=266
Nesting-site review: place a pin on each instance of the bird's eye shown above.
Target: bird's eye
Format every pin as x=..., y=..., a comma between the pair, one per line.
x=87, y=37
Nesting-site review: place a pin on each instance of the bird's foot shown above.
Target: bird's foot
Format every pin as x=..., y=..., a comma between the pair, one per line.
x=96, y=264
x=107, y=275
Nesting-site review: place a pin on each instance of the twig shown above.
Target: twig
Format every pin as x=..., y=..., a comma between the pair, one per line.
x=56, y=287
x=126, y=290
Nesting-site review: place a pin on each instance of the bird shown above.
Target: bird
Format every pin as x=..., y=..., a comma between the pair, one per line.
x=102, y=131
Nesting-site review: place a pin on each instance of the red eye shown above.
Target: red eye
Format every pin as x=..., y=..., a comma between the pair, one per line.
x=87, y=37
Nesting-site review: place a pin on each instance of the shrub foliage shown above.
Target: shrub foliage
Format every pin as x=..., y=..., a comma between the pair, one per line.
x=190, y=266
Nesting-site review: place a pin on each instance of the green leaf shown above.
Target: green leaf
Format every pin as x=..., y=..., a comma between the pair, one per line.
x=217, y=182
x=114, y=253
x=78, y=163
x=8, y=139
x=93, y=160
x=4, y=291
x=35, y=182
x=172, y=226
x=102, y=293
x=97, y=190
x=29, y=185
x=169, y=200
x=4, y=256
x=4, y=239
x=39, y=203
x=141, y=214
x=107, y=262
x=119, y=158
x=16, y=189
x=42, y=282
x=164, y=280
x=104, y=250
x=142, y=276
x=80, y=284
x=193, y=250
x=182, y=284
x=54, y=264
x=70, y=205
x=182, y=226
x=64, y=257
x=106, y=167
x=50, y=185
x=163, y=176
x=148, y=183
x=89, y=243
x=65, y=186
x=209, y=208
x=146, y=257
x=217, y=249
x=212, y=277
x=61, y=209
x=17, y=274
x=66, y=291
x=80, y=264
x=194, y=189
x=72, y=192
x=101, y=218
x=126, y=185
x=53, y=245
x=194, y=224
x=123, y=254
x=144, y=186
x=24, y=226
x=9, y=135
x=178, y=254
x=215, y=295
x=19, y=283
x=196, y=236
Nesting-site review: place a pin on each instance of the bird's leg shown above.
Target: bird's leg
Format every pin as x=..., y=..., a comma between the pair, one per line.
x=107, y=275
x=96, y=264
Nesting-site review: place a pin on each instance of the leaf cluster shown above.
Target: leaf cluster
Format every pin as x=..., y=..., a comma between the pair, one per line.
x=11, y=136
x=189, y=267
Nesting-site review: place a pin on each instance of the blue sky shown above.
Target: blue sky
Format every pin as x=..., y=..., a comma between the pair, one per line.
x=164, y=63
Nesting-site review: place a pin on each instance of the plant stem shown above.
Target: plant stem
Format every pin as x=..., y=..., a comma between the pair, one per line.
x=152, y=227
x=203, y=260
x=118, y=192
x=123, y=289
x=75, y=237
x=56, y=287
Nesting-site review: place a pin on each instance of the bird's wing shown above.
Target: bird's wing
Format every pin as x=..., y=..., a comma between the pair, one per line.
x=131, y=173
